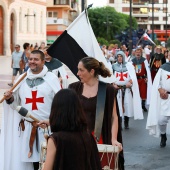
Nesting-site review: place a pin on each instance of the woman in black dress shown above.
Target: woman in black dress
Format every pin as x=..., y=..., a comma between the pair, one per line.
x=89, y=70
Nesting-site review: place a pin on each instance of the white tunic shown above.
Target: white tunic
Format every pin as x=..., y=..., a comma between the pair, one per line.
x=122, y=78
x=132, y=104
x=158, y=106
x=37, y=100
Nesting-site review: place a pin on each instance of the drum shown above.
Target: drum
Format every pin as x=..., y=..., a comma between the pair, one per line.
x=43, y=155
x=108, y=156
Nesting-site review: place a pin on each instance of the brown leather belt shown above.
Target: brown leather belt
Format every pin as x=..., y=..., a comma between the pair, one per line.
x=155, y=69
x=141, y=77
x=33, y=135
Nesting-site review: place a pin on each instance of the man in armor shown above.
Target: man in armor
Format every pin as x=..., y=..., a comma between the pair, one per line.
x=143, y=76
x=159, y=111
x=156, y=61
x=128, y=90
x=34, y=93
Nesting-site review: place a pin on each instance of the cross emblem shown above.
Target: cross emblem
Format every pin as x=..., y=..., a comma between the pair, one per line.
x=34, y=100
x=121, y=75
x=168, y=76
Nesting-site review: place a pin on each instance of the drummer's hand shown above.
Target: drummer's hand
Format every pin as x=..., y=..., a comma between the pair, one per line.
x=43, y=123
x=116, y=143
x=8, y=95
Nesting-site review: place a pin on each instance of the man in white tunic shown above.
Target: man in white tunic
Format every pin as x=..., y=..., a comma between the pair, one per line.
x=128, y=91
x=20, y=136
x=159, y=111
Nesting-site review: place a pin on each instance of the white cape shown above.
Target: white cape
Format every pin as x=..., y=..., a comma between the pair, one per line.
x=149, y=83
x=138, y=114
x=64, y=76
x=154, y=109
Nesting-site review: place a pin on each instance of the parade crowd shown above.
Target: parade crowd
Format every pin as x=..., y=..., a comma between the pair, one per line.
x=83, y=113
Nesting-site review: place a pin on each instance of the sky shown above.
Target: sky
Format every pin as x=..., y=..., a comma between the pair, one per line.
x=97, y=3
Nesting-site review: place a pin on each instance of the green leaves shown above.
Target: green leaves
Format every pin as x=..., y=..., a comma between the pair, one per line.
x=107, y=22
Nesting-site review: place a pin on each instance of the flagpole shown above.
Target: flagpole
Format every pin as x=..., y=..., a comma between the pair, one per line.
x=139, y=40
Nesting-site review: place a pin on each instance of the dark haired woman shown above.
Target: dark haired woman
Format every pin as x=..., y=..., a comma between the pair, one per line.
x=70, y=147
x=88, y=90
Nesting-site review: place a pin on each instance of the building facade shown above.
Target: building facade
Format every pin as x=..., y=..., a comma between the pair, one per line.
x=21, y=21
x=142, y=11
x=60, y=14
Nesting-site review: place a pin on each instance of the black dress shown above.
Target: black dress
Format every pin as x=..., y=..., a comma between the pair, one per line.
x=75, y=151
x=89, y=107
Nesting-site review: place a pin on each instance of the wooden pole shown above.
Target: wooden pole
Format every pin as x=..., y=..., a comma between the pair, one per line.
x=15, y=85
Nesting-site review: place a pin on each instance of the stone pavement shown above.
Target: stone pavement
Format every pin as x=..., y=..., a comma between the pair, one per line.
x=6, y=75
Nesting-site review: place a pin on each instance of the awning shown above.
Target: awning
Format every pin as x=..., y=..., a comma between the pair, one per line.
x=54, y=32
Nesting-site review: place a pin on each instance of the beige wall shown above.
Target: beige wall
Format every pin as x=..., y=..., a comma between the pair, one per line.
x=26, y=29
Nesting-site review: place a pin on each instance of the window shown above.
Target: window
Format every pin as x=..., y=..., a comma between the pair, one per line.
x=52, y=14
x=125, y=1
x=126, y=9
x=49, y=14
x=155, y=18
x=111, y=1
x=61, y=2
x=156, y=27
x=143, y=10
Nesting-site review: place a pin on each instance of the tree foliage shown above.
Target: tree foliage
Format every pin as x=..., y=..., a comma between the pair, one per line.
x=168, y=43
x=107, y=22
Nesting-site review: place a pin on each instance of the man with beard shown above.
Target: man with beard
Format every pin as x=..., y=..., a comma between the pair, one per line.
x=20, y=136
x=159, y=111
x=156, y=61
x=128, y=91
x=143, y=77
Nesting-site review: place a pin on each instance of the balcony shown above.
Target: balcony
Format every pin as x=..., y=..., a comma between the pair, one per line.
x=69, y=4
x=61, y=2
x=138, y=3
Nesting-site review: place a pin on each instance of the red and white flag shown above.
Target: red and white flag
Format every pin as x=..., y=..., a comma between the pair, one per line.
x=147, y=38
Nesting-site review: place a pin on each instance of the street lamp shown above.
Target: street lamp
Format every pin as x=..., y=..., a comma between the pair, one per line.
x=130, y=34
x=153, y=25
x=107, y=23
x=166, y=19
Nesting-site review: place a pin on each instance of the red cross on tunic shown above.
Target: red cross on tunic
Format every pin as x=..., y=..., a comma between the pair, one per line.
x=168, y=76
x=121, y=75
x=34, y=100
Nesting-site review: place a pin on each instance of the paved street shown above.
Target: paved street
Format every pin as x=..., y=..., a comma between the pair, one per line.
x=142, y=152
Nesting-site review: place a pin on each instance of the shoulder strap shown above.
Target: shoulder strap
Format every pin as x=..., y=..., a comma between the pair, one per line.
x=101, y=97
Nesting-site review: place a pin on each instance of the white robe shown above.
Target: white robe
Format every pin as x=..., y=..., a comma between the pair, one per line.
x=149, y=83
x=63, y=74
x=14, y=143
x=132, y=104
x=158, y=106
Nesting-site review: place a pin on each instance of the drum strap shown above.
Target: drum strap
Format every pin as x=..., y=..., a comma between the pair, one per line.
x=101, y=97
